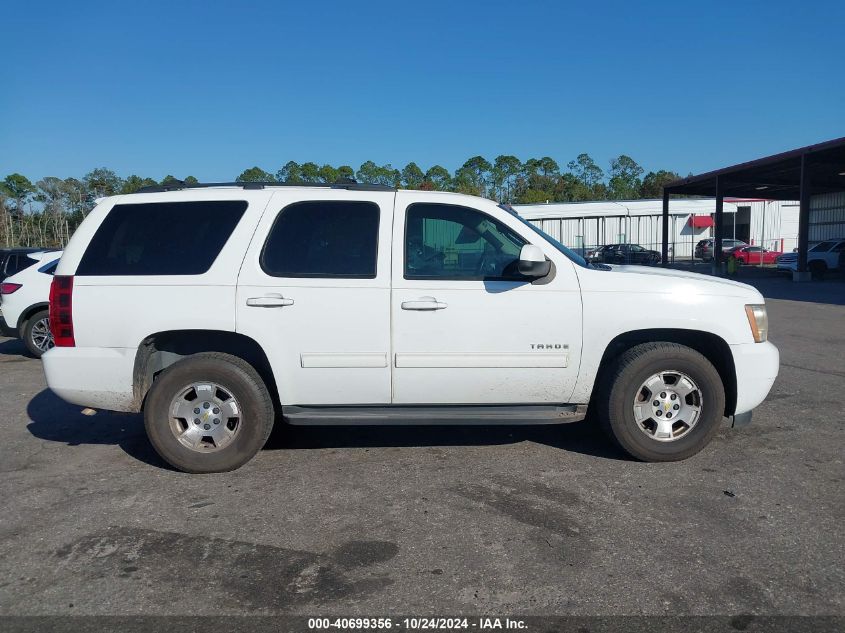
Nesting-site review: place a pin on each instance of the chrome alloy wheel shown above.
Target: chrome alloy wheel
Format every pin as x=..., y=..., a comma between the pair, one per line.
x=205, y=417
x=667, y=406
x=41, y=335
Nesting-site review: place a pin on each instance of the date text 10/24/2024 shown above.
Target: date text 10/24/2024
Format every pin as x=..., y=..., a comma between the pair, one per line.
x=417, y=624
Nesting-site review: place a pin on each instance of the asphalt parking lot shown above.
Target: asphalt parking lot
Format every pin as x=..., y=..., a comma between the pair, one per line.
x=438, y=520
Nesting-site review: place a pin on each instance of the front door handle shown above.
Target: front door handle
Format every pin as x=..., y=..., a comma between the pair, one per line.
x=269, y=301
x=423, y=303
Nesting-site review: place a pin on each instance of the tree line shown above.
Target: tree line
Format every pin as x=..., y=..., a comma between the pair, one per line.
x=45, y=213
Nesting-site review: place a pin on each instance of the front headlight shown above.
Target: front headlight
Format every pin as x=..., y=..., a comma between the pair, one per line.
x=759, y=322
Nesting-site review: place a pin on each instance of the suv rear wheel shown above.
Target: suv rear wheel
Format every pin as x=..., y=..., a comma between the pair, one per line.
x=818, y=268
x=662, y=402
x=36, y=333
x=207, y=413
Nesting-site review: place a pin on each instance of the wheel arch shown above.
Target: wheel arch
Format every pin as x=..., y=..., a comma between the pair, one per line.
x=712, y=346
x=24, y=316
x=159, y=351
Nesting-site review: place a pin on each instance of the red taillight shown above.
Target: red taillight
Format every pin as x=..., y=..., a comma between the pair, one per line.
x=61, y=311
x=8, y=288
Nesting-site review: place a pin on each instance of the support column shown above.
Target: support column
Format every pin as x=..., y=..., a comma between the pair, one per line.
x=803, y=274
x=720, y=220
x=664, y=249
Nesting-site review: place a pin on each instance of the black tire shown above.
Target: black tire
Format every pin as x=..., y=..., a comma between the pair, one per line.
x=27, y=333
x=817, y=268
x=244, y=383
x=621, y=383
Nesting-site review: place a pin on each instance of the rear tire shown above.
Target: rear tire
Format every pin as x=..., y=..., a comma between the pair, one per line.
x=622, y=391
x=817, y=269
x=209, y=381
x=36, y=333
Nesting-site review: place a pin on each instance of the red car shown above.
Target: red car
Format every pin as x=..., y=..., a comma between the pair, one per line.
x=754, y=254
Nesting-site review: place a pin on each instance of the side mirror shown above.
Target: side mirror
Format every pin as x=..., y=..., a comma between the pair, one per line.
x=532, y=262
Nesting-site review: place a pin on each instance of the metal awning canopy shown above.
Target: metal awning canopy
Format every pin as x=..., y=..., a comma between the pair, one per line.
x=792, y=175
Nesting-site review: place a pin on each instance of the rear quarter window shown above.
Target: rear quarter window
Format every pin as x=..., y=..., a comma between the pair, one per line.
x=161, y=238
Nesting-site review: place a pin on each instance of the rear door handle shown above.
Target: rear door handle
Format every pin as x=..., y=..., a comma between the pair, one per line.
x=423, y=303
x=269, y=301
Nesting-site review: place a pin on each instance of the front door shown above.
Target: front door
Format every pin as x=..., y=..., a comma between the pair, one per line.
x=467, y=328
x=314, y=292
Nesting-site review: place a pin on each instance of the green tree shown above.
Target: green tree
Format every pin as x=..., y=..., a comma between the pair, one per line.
x=412, y=176
x=653, y=183
x=624, y=182
x=585, y=169
x=506, y=172
x=310, y=172
x=18, y=188
x=473, y=177
x=328, y=174
x=170, y=180
x=437, y=178
x=373, y=174
x=346, y=172
x=132, y=183
x=255, y=174
x=291, y=172
x=102, y=182
x=191, y=180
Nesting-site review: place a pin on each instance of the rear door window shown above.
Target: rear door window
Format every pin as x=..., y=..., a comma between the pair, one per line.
x=323, y=238
x=161, y=238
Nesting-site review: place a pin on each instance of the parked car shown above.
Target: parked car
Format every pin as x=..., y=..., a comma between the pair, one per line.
x=359, y=304
x=14, y=260
x=24, y=301
x=704, y=248
x=754, y=255
x=821, y=258
x=595, y=254
x=628, y=254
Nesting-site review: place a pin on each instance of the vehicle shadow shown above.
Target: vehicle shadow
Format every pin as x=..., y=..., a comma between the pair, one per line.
x=55, y=420
x=14, y=346
x=576, y=437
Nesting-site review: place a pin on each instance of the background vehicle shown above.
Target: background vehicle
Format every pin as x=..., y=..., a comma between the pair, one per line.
x=628, y=254
x=24, y=302
x=14, y=260
x=704, y=248
x=754, y=255
x=357, y=304
x=821, y=258
x=595, y=254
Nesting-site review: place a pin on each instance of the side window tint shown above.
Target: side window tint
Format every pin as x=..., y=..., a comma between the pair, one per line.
x=323, y=239
x=161, y=238
x=444, y=241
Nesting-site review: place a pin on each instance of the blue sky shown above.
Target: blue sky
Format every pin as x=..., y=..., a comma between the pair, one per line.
x=211, y=88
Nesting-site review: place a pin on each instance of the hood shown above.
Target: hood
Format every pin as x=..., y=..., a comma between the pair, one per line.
x=666, y=280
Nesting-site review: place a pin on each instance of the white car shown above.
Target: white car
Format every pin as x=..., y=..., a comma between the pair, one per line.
x=823, y=257
x=24, y=301
x=213, y=309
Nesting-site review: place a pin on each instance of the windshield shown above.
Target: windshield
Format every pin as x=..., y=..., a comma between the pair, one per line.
x=575, y=257
x=823, y=247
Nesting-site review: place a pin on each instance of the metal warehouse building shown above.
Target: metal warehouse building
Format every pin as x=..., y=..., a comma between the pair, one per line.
x=814, y=175
x=583, y=225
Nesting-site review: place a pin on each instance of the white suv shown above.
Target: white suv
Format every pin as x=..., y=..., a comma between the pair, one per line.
x=23, y=300
x=824, y=256
x=215, y=309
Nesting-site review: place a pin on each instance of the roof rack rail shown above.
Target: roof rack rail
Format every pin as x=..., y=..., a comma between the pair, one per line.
x=341, y=183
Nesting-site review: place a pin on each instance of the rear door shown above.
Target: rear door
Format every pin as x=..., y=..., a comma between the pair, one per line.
x=314, y=291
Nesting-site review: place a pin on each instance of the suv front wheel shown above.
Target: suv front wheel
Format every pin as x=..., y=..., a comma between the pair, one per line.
x=207, y=413
x=661, y=402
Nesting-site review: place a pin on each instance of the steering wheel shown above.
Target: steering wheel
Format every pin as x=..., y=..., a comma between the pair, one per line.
x=483, y=262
